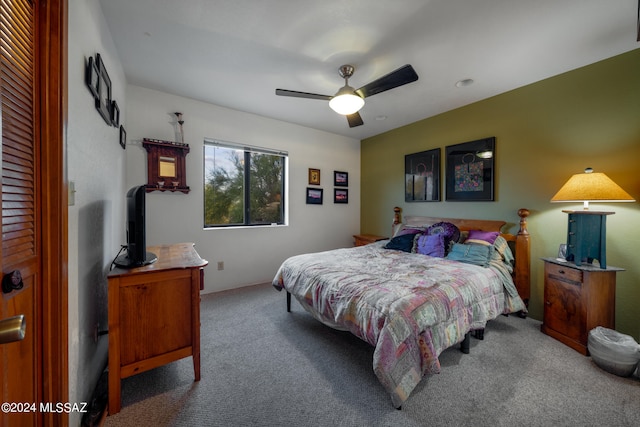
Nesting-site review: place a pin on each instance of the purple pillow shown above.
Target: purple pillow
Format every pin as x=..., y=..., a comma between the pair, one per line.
x=450, y=232
x=432, y=245
x=482, y=236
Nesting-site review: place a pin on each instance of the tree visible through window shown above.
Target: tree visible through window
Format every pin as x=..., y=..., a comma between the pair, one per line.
x=243, y=186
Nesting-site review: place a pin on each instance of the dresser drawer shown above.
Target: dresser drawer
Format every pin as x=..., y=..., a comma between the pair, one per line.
x=562, y=273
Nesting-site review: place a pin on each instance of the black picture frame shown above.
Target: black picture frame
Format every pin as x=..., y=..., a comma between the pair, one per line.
x=340, y=179
x=314, y=196
x=115, y=114
x=103, y=100
x=123, y=138
x=91, y=77
x=422, y=176
x=340, y=195
x=470, y=170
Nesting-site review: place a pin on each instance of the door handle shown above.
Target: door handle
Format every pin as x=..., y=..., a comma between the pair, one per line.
x=12, y=329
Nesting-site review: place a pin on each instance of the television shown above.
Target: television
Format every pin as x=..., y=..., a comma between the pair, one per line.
x=136, y=254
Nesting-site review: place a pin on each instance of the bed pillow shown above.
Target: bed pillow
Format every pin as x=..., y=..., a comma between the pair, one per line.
x=482, y=237
x=471, y=254
x=401, y=243
x=449, y=231
x=432, y=245
x=409, y=230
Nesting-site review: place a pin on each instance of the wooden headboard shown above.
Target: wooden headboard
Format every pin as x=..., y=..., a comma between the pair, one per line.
x=520, y=243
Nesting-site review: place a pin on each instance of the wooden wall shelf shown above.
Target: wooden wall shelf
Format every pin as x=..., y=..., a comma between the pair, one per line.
x=166, y=165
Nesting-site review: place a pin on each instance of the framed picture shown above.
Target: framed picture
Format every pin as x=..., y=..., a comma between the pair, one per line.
x=422, y=176
x=115, y=114
x=103, y=100
x=91, y=77
x=123, y=137
x=340, y=195
x=562, y=252
x=340, y=179
x=470, y=170
x=314, y=176
x=314, y=196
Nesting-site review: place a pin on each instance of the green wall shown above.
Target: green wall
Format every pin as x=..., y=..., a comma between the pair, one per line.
x=545, y=132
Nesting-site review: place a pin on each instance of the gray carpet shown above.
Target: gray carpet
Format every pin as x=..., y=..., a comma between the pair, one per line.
x=262, y=366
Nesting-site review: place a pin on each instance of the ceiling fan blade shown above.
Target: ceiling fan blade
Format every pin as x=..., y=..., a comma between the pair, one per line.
x=295, y=94
x=401, y=76
x=354, y=120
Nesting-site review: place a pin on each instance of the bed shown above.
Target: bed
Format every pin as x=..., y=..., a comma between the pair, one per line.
x=411, y=305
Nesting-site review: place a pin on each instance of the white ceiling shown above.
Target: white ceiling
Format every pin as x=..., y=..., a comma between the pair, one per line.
x=235, y=53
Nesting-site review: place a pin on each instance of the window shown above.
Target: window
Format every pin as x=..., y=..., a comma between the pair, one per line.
x=243, y=185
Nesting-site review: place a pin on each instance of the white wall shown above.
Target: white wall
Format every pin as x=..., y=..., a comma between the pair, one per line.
x=250, y=255
x=96, y=164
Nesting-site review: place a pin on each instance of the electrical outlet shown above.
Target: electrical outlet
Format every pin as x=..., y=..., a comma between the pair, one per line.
x=220, y=265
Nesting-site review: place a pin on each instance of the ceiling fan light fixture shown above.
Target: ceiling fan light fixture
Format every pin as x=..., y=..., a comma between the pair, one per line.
x=346, y=102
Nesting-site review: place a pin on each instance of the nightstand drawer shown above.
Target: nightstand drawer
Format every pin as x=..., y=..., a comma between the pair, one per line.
x=365, y=239
x=562, y=273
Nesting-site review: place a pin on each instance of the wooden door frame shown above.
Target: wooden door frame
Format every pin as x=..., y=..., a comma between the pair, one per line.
x=51, y=76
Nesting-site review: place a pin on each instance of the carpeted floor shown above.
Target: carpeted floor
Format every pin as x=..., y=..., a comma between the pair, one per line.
x=262, y=366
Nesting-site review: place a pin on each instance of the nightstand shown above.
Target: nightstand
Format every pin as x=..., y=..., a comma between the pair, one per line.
x=576, y=300
x=365, y=239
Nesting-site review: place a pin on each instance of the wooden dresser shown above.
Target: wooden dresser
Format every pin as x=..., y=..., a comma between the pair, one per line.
x=576, y=300
x=154, y=315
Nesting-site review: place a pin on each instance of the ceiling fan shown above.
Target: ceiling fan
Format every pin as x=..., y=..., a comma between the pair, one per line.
x=348, y=101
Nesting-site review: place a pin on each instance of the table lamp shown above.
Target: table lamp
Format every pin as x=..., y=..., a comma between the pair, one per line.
x=586, y=234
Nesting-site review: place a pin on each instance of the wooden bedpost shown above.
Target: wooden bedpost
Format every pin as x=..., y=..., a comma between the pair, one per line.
x=396, y=220
x=523, y=251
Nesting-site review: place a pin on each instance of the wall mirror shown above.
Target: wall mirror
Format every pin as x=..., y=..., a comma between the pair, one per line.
x=167, y=167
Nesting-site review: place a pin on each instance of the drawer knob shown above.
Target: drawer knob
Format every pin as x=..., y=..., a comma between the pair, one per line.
x=561, y=271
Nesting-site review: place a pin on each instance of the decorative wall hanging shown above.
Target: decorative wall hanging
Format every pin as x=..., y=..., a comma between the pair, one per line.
x=123, y=137
x=103, y=100
x=422, y=176
x=340, y=179
x=470, y=170
x=166, y=166
x=314, y=196
x=179, y=130
x=115, y=114
x=91, y=77
x=314, y=176
x=340, y=195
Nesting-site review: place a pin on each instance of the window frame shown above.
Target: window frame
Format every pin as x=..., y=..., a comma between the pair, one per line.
x=247, y=151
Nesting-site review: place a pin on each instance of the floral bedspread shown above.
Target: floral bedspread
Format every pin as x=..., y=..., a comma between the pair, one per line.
x=410, y=307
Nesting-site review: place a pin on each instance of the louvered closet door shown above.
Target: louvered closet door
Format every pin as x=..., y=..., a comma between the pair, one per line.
x=20, y=223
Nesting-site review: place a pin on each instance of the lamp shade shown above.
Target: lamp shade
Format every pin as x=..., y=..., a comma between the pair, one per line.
x=591, y=187
x=346, y=102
